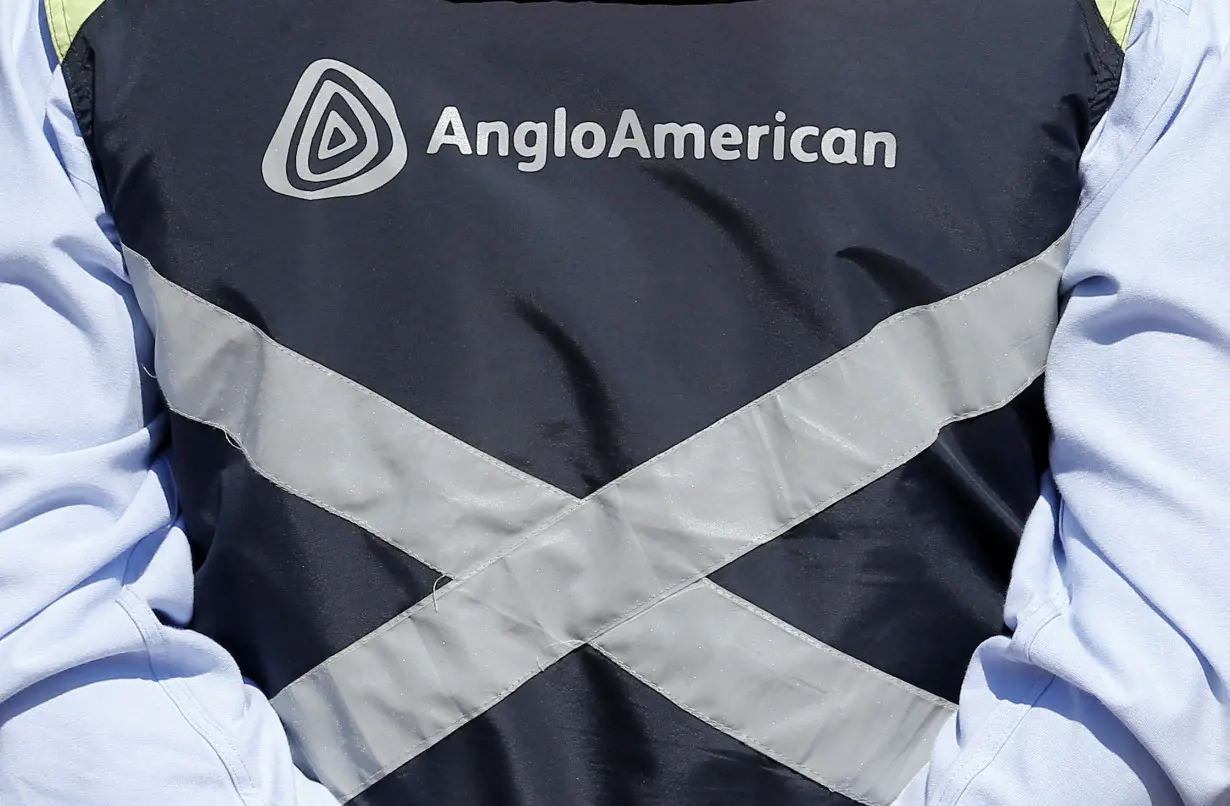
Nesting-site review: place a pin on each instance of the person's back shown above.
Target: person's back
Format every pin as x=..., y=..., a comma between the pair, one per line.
x=592, y=403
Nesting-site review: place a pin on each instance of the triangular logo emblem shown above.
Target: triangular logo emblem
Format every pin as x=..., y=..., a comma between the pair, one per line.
x=339, y=136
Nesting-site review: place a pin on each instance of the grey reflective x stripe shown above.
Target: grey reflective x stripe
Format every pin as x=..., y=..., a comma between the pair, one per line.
x=330, y=441
x=650, y=533
x=665, y=524
x=840, y=722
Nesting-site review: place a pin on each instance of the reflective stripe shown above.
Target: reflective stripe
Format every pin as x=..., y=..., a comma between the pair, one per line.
x=662, y=526
x=330, y=441
x=836, y=720
x=198, y=327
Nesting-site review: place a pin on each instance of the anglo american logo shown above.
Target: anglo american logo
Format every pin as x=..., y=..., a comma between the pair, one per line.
x=534, y=142
x=340, y=136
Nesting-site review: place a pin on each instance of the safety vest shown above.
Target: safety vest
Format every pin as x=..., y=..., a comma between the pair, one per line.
x=587, y=404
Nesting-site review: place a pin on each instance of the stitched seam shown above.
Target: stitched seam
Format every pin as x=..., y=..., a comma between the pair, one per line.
x=362, y=390
x=875, y=334
x=89, y=182
x=311, y=499
x=742, y=737
x=49, y=8
x=64, y=43
x=1147, y=97
x=939, y=702
x=653, y=598
x=77, y=144
x=649, y=601
x=430, y=600
x=1026, y=621
x=1002, y=723
x=1049, y=611
x=1006, y=718
x=1127, y=34
x=59, y=26
x=770, y=534
x=849, y=351
x=444, y=731
x=888, y=467
x=853, y=349
x=1093, y=38
x=239, y=443
x=754, y=543
x=186, y=703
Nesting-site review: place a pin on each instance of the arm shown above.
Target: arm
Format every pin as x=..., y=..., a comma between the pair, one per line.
x=103, y=698
x=1112, y=688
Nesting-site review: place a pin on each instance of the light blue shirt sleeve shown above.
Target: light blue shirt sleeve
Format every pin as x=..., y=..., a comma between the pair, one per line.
x=1112, y=690
x=104, y=701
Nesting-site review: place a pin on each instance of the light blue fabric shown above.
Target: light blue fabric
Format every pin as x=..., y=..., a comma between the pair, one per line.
x=1110, y=692
x=1112, y=689
x=100, y=704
